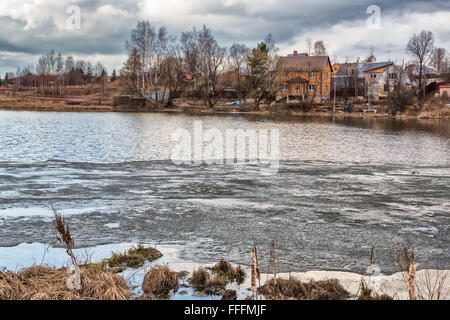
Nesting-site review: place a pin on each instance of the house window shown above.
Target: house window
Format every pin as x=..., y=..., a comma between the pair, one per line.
x=386, y=88
x=311, y=87
x=326, y=75
x=284, y=87
x=297, y=87
x=373, y=75
x=284, y=75
x=312, y=75
x=326, y=87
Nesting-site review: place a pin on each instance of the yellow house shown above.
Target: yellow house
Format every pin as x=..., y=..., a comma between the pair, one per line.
x=304, y=78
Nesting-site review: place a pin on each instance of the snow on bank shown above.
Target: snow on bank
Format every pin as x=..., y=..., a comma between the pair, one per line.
x=25, y=255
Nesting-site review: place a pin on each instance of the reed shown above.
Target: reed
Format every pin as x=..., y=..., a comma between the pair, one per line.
x=64, y=237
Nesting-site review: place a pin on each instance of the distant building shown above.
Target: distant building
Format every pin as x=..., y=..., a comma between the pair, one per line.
x=304, y=78
x=444, y=90
x=429, y=74
x=374, y=79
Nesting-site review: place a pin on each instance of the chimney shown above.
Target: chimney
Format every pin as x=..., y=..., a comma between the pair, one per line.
x=295, y=53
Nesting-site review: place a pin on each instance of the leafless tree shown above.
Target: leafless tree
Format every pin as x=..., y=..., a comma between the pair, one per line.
x=438, y=59
x=421, y=48
x=205, y=60
x=309, y=45
x=237, y=59
x=398, y=95
x=149, y=48
x=319, y=48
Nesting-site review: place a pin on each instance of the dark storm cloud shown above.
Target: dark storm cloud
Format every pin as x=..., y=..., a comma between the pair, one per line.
x=106, y=24
x=289, y=18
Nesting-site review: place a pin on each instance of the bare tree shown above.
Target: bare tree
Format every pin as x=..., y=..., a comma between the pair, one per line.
x=398, y=95
x=319, y=48
x=237, y=58
x=421, y=48
x=438, y=59
x=309, y=45
x=149, y=50
x=205, y=60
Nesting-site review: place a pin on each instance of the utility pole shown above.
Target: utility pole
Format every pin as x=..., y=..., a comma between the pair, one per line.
x=356, y=79
x=334, y=103
x=389, y=52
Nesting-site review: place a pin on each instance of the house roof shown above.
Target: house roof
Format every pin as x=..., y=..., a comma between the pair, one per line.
x=362, y=67
x=367, y=66
x=426, y=69
x=302, y=63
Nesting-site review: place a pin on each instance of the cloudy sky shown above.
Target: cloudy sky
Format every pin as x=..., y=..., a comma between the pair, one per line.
x=31, y=27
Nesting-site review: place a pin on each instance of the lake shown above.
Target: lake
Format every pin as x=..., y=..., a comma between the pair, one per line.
x=343, y=186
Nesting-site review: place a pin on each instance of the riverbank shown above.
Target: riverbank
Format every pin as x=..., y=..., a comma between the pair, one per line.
x=94, y=101
x=46, y=257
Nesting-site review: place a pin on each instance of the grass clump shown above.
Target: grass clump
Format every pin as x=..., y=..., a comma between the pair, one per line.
x=43, y=283
x=229, y=295
x=135, y=257
x=159, y=281
x=201, y=281
x=365, y=293
x=224, y=270
x=295, y=289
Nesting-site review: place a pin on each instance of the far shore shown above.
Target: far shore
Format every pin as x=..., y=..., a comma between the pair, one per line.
x=424, y=115
x=95, y=99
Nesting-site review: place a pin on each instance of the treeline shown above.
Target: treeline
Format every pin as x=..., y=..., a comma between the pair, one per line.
x=54, y=72
x=161, y=67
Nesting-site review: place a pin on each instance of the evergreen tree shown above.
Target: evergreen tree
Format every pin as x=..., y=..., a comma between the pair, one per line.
x=114, y=76
x=6, y=81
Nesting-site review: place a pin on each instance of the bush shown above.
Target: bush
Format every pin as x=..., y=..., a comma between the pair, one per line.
x=159, y=281
x=312, y=290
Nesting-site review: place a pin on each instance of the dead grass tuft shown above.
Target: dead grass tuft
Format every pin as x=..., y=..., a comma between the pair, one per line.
x=43, y=283
x=135, y=257
x=201, y=281
x=229, y=295
x=295, y=289
x=160, y=281
x=224, y=270
x=365, y=293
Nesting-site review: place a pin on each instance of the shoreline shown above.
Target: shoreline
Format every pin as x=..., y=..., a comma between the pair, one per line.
x=209, y=112
x=390, y=284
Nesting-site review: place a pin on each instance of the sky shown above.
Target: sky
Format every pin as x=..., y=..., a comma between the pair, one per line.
x=97, y=29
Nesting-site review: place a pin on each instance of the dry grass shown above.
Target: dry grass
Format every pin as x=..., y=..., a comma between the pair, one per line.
x=430, y=284
x=405, y=264
x=201, y=281
x=64, y=237
x=224, y=270
x=366, y=293
x=135, y=257
x=159, y=281
x=229, y=295
x=42, y=283
x=295, y=289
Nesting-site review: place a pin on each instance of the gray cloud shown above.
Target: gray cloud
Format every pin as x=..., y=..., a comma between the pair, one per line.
x=29, y=30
